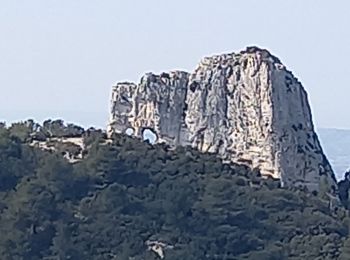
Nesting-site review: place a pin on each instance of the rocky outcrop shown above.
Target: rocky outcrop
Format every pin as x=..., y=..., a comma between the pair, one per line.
x=72, y=148
x=246, y=107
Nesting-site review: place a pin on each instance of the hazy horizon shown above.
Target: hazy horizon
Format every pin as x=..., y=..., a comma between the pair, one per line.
x=59, y=59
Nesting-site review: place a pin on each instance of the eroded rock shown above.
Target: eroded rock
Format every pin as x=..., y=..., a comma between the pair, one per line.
x=246, y=107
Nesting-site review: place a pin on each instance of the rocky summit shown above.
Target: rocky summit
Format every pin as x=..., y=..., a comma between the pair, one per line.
x=246, y=107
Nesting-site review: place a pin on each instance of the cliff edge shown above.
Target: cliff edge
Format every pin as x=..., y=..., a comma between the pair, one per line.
x=246, y=107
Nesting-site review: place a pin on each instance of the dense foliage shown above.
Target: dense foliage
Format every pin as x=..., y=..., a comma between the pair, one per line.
x=126, y=192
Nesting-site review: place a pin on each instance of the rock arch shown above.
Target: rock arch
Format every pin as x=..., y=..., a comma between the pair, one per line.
x=148, y=134
x=129, y=131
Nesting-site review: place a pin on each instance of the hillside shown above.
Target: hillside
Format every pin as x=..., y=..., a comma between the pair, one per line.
x=127, y=199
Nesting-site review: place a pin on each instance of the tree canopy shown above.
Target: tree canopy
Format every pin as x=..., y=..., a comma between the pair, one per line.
x=125, y=193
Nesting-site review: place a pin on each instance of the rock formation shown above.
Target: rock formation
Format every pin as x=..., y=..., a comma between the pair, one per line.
x=246, y=107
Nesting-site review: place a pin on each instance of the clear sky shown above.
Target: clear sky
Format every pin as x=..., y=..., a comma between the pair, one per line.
x=59, y=58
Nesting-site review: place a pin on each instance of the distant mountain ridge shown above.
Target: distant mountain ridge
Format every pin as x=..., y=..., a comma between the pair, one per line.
x=336, y=145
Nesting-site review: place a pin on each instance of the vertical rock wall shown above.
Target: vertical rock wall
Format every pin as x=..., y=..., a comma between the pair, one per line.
x=245, y=107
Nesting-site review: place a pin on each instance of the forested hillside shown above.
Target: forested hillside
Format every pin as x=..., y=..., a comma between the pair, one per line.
x=124, y=195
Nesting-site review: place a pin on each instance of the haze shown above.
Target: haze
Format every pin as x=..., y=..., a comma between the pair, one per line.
x=59, y=59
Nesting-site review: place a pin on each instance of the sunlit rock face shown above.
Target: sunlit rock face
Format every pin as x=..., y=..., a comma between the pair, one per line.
x=246, y=107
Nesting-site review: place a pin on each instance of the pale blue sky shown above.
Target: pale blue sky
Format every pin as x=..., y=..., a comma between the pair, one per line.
x=59, y=58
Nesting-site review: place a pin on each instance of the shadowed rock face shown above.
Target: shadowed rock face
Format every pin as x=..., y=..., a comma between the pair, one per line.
x=246, y=107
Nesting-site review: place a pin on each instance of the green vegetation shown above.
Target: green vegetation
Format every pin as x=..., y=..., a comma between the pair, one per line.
x=126, y=192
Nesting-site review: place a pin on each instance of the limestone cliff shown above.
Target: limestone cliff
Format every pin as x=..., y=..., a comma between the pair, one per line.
x=246, y=107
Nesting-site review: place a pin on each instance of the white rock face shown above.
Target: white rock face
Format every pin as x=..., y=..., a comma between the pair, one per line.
x=246, y=107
